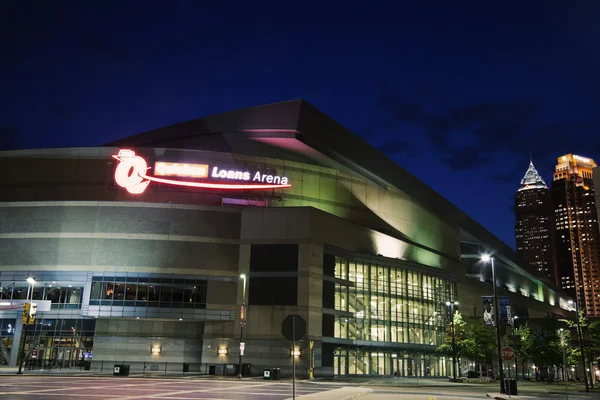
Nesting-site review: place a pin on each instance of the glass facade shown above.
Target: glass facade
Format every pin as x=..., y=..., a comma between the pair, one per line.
x=148, y=292
x=393, y=307
x=7, y=331
x=60, y=343
x=62, y=297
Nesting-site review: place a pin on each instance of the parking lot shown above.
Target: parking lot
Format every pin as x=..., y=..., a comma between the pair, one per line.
x=115, y=388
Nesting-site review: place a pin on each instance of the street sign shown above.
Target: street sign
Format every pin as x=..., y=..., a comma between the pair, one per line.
x=449, y=333
x=507, y=354
x=242, y=347
x=287, y=327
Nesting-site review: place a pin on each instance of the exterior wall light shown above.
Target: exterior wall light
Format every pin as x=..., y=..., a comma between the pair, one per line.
x=222, y=351
x=156, y=350
x=295, y=353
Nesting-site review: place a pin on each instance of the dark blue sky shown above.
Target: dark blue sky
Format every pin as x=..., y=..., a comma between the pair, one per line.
x=457, y=92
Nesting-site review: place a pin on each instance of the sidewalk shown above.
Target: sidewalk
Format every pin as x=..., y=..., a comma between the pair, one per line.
x=345, y=393
x=499, y=396
x=413, y=382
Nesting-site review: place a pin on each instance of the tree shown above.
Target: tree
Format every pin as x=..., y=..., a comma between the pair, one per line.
x=547, y=349
x=476, y=342
x=446, y=348
x=524, y=344
x=591, y=341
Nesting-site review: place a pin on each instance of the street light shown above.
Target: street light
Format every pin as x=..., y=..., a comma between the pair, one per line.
x=514, y=340
x=486, y=258
x=580, y=338
x=452, y=330
x=565, y=373
x=31, y=281
x=242, y=323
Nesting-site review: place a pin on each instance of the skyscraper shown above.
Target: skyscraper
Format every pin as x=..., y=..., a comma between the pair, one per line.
x=577, y=230
x=533, y=226
x=596, y=175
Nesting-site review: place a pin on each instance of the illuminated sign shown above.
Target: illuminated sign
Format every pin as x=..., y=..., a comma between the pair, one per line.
x=131, y=173
x=585, y=160
x=245, y=176
x=183, y=170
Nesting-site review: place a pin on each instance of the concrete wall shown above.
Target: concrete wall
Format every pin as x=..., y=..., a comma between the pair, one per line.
x=99, y=236
x=132, y=341
x=86, y=238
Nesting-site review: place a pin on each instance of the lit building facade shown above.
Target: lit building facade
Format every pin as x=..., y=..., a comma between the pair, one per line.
x=596, y=176
x=577, y=233
x=534, y=224
x=146, y=249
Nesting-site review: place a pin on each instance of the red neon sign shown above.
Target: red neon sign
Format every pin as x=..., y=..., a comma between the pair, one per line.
x=131, y=174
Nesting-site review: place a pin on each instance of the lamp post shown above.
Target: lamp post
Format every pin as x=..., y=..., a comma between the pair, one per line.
x=31, y=281
x=514, y=340
x=486, y=258
x=451, y=305
x=565, y=376
x=580, y=338
x=242, y=324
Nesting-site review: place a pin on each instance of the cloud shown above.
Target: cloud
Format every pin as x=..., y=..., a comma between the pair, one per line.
x=399, y=147
x=399, y=109
x=490, y=128
x=467, y=158
x=516, y=173
x=513, y=175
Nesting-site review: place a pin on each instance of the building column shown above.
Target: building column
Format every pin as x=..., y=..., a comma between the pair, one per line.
x=14, y=351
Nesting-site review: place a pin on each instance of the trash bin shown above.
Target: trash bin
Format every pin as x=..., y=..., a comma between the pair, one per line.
x=267, y=374
x=121, y=370
x=87, y=365
x=276, y=374
x=510, y=386
x=212, y=370
x=186, y=367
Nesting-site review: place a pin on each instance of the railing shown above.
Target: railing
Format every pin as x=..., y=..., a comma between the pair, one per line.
x=150, y=368
x=135, y=367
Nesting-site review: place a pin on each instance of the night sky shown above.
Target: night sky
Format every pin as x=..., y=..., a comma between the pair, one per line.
x=456, y=92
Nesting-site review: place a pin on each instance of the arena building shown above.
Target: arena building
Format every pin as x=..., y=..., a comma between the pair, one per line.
x=154, y=250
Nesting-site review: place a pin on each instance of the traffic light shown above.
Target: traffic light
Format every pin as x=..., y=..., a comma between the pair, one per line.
x=25, y=316
x=29, y=311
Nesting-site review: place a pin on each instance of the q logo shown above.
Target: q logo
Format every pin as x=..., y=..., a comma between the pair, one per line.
x=131, y=172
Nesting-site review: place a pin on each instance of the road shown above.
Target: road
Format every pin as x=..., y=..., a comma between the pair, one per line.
x=26, y=387
x=115, y=388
